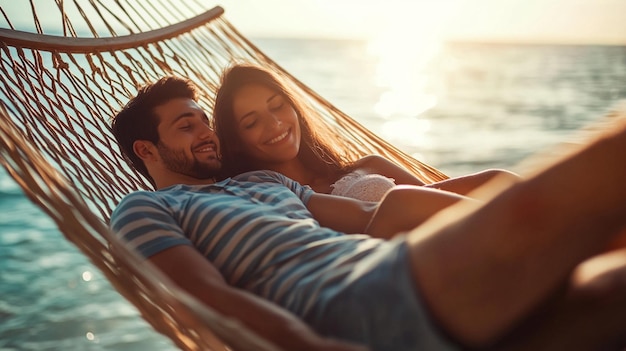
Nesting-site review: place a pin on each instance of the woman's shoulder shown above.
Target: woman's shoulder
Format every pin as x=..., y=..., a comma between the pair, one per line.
x=371, y=163
x=377, y=164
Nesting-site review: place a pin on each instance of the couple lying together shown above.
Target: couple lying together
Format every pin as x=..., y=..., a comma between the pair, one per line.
x=259, y=214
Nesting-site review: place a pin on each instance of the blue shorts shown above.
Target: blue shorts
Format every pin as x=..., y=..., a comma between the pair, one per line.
x=380, y=307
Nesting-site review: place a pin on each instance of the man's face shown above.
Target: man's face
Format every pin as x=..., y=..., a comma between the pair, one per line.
x=187, y=144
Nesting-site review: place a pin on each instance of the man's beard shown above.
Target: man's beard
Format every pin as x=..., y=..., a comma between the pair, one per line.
x=177, y=161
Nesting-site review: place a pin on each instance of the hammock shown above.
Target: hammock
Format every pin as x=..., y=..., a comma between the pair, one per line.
x=58, y=95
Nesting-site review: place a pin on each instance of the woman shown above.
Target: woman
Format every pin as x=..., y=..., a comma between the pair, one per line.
x=262, y=125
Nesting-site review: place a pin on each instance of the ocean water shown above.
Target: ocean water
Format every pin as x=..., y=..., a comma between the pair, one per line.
x=461, y=108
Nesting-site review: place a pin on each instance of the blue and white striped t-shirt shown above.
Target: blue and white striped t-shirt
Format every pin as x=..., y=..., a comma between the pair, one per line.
x=255, y=228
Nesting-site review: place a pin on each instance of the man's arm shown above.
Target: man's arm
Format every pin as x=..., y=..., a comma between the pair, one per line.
x=194, y=274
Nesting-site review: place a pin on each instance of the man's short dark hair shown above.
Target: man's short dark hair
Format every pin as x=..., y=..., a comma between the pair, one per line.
x=138, y=121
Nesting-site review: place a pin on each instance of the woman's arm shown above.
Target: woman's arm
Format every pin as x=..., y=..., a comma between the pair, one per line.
x=461, y=185
x=340, y=213
x=406, y=207
x=467, y=183
x=403, y=208
x=194, y=274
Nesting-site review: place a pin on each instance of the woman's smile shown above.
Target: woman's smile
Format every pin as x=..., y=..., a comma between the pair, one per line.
x=279, y=138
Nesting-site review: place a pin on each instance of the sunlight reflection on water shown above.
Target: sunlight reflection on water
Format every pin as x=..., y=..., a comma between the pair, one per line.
x=402, y=70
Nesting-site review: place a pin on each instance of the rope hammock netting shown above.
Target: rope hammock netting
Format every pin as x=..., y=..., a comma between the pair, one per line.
x=62, y=81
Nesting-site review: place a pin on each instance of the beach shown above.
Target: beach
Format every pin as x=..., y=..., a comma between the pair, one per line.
x=462, y=108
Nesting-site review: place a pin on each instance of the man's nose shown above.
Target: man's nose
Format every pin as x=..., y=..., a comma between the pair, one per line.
x=207, y=132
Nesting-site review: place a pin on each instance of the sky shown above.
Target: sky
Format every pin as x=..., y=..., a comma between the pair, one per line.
x=548, y=21
x=544, y=21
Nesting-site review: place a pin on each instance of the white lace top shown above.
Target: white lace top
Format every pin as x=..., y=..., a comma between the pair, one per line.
x=366, y=187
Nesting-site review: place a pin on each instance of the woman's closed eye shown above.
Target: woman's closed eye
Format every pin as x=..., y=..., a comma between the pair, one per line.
x=250, y=123
x=277, y=105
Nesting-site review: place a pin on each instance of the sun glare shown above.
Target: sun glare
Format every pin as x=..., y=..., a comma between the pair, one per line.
x=405, y=44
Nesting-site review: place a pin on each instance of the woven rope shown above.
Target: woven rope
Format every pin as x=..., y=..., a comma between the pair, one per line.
x=58, y=96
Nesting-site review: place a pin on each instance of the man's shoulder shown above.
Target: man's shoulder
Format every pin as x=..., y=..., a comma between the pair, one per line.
x=135, y=199
x=261, y=176
x=139, y=194
x=274, y=180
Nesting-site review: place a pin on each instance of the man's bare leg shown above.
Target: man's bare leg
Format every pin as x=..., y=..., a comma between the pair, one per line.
x=589, y=314
x=482, y=269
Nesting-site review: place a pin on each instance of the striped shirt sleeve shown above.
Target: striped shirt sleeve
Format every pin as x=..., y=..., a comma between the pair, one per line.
x=146, y=224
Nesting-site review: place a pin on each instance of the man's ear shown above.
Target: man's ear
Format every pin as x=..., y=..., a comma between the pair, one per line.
x=145, y=150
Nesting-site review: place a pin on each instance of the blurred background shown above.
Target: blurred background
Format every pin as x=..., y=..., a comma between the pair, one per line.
x=462, y=85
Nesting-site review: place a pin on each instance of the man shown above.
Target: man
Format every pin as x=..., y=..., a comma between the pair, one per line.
x=464, y=279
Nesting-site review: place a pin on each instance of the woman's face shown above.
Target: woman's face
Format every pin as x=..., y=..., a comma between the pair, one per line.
x=267, y=124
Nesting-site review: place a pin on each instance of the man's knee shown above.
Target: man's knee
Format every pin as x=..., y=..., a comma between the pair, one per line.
x=502, y=174
x=601, y=276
